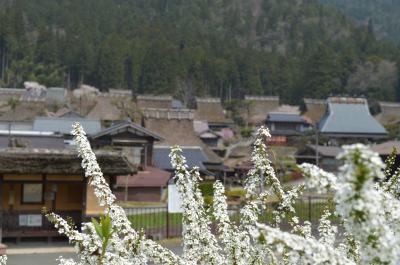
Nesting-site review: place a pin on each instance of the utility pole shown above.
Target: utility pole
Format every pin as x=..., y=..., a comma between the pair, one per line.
x=316, y=146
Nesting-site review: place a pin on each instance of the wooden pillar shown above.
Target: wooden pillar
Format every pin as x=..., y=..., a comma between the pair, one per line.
x=85, y=184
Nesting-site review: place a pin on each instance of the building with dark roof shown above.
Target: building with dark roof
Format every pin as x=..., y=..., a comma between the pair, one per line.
x=324, y=156
x=350, y=118
x=64, y=125
x=35, y=178
x=286, y=124
x=134, y=140
x=195, y=157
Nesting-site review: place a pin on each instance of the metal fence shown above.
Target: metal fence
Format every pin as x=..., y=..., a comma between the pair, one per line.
x=157, y=223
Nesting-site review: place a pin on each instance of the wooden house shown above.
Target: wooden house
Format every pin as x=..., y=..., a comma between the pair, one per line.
x=257, y=107
x=136, y=143
x=31, y=179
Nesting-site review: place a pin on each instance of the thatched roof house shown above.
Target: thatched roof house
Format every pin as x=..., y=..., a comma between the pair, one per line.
x=24, y=111
x=51, y=161
x=211, y=111
x=151, y=101
x=315, y=109
x=105, y=109
x=178, y=130
x=390, y=113
x=258, y=107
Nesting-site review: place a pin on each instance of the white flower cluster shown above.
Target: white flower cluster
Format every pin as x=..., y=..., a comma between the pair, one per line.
x=3, y=260
x=125, y=246
x=370, y=214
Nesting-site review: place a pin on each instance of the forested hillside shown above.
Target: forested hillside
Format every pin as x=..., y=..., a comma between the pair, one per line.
x=291, y=48
x=382, y=15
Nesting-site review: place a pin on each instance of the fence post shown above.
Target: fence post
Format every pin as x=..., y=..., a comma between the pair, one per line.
x=309, y=209
x=167, y=222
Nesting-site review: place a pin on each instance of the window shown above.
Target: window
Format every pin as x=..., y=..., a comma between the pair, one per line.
x=32, y=193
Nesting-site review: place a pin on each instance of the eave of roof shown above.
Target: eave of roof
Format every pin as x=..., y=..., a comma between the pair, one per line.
x=117, y=128
x=52, y=161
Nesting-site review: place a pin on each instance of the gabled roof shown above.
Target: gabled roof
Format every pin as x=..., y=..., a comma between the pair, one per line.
x=64, y=125
x=195, y=157
x=285, y=117
x=350, y=117
x=130, y=127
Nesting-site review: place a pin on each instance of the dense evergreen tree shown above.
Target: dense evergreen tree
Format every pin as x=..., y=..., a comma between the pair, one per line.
x=186, y=48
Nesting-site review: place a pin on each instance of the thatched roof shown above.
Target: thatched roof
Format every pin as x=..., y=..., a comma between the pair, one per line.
x=105, y=109
x=24, y=111
x=150, y=177
x=210, y=110
x=258, y=107
x=50, y=161
x=150, y=101
x=179, y=132
x=315, y=109
x=390, y=113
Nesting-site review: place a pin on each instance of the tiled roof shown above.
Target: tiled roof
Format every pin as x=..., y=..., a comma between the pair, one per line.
x=195, y=157
x=350, y=116
x=285, y=117
x=64, y=125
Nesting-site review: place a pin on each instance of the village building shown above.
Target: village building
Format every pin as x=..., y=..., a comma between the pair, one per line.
x=137, y=144
x=176, y=128
x=314, y=109
x=349, y=120
x=31, y=179
x=257, y=107
x=389, y=113
x=210, y=110
x=63, y=125
x=282, y=126
x=151, y=101
x=323, y=156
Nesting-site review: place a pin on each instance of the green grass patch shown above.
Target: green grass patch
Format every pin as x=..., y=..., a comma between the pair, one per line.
x=155, y=220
